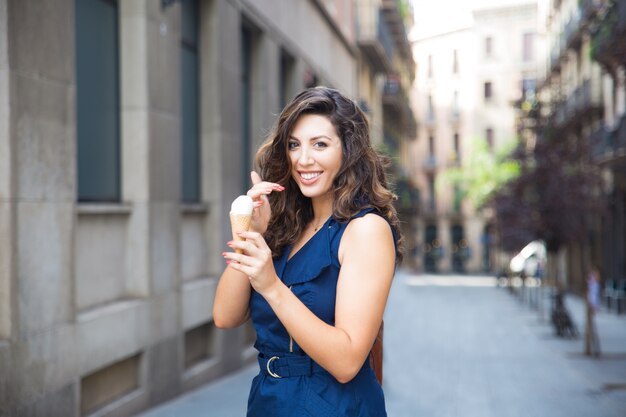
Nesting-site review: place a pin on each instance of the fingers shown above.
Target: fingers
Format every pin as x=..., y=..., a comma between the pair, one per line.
x=256, y=178
x=249, y=247
x=264, y=188
x=254, y=237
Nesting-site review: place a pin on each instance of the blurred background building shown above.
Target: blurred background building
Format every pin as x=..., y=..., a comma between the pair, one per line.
x=475, y=61
x=126, y=129
x=582, y=98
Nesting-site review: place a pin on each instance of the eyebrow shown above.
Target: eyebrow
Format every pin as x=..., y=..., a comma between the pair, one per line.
x=313, y=138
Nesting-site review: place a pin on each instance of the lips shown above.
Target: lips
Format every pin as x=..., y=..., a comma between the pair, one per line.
x=309, y=177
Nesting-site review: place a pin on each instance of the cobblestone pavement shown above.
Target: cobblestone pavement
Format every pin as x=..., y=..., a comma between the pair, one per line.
x=459, y=346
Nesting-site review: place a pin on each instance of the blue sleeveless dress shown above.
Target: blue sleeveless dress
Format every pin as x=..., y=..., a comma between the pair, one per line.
x=290, y=384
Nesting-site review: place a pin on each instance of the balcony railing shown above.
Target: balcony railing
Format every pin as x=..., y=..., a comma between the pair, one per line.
x=572, y=31
x=600, y=144
x=609, y=145
x=374, y=36
x=609, y=37
x=589, y=8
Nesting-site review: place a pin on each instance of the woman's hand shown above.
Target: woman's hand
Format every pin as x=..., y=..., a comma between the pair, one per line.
x=255, y=262
x=262, y=210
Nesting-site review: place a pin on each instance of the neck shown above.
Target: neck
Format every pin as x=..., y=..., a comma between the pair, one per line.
x=322, y=208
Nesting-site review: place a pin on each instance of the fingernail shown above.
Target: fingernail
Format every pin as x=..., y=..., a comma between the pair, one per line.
x=224, y=254
x=228, y=262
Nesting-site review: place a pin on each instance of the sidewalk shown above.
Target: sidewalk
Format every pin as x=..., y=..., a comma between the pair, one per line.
x=226, y=397
x=458, y=346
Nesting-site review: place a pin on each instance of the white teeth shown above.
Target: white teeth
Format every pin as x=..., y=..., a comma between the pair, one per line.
x=309, y=175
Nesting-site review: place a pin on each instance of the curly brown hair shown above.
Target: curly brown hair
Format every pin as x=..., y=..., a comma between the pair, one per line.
x=360, y=183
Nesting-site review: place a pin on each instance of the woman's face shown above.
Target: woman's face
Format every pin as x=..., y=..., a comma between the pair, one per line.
x=315, y=152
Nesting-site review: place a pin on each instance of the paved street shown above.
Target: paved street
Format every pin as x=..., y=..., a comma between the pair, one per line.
x=461, y=347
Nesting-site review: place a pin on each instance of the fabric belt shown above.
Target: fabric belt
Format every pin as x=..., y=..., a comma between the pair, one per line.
x=287, y=366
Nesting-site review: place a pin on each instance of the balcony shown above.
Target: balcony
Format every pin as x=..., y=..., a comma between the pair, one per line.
x=572, y=32
x=394, y=13
x=396, y=104
x=578, y=106
x=608, y=42
x=607, y=146
x=589, y=9
x=374, y=37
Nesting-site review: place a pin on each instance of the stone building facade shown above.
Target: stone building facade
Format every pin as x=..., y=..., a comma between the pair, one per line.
x=126, y=129
x=584, y=96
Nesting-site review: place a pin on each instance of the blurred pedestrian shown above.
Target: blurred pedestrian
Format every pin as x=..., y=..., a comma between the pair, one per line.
x=318, y=263
x=592, y=340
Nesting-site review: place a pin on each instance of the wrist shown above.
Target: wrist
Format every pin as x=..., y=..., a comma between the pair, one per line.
x=273, y=292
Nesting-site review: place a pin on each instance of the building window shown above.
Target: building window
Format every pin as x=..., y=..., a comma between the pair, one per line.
x=246, y=104
x=489, y=137
x=528, y=47
x=488, y=46
x=431, y=109
x=190, y=153
x=430, y=66
x=457, y=147
x=97, y=100
x=287, y=64
x=528, y=88
x=432, y=196
x=431, y=146
x=455, y=61
x=488, y=93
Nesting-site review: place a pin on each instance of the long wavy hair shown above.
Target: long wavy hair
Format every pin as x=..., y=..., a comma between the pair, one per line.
x=360, y=183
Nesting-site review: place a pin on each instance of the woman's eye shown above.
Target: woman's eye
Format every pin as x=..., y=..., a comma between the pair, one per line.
x=321, y=145
x=292, y=145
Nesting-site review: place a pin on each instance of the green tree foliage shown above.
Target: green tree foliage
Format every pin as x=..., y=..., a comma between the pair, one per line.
x=483, y=174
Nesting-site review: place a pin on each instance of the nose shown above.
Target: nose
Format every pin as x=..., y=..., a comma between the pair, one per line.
x=305, y=156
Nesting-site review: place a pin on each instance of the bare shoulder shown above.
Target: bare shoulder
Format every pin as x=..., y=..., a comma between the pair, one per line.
x=367, y=225
x=370, y=233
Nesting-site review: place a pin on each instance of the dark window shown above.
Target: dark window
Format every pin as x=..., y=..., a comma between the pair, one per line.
x=528, y=46
x=457, y=147
x=432, y=196
x=431, y=146
x=287, y=64
x=528, y=88
x=488, y=46
x=190, y=186
x=488, y=91
x=97, y=100
x=489, y=137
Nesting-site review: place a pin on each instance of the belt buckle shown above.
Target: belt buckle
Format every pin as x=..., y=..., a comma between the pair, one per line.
x=269, y=371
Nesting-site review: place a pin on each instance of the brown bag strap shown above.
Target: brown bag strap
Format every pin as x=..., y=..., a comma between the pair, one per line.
x=376, y=354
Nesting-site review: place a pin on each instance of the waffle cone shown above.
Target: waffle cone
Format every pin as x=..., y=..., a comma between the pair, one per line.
x=239, y=223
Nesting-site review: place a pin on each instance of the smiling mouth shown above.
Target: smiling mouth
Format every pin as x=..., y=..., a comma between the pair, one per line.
x=308, y=176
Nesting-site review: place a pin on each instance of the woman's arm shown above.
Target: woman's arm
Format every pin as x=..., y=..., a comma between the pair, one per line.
x=367, y=256
x=232, y=296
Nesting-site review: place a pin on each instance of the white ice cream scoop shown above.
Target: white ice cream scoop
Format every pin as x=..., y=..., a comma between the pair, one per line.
x=242, y=205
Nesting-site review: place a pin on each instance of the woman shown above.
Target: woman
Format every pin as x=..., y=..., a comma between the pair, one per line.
x=317, y=264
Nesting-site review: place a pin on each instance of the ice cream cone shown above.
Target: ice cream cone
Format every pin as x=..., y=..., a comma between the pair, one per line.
x=239, y=223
